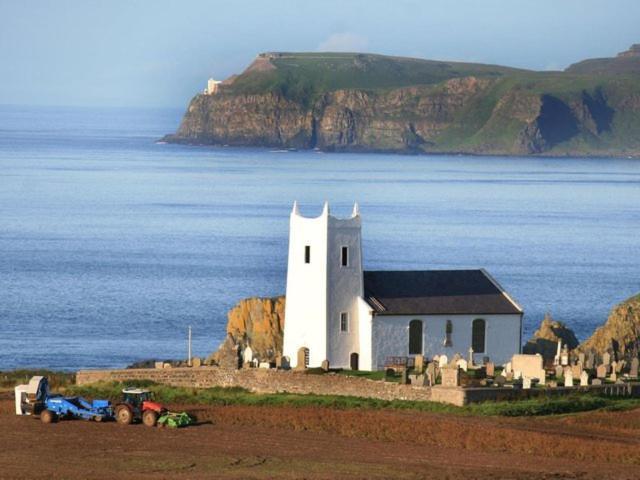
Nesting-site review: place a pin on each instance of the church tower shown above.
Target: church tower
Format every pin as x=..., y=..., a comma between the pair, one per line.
x=324, y=282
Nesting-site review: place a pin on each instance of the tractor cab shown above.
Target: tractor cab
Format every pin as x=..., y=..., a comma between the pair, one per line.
x=138, y=404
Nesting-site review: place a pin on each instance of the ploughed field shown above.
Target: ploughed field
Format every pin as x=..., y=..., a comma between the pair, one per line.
x=311, y=442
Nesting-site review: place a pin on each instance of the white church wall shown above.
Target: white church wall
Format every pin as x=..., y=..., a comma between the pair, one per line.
x=344, y=287
x=365, y=318
x=391, y=336
x=306, y=306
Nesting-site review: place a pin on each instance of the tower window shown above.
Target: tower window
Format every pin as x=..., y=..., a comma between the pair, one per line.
x=478, y=328
x=307, y=254
x=344, y=322
x=344, y=258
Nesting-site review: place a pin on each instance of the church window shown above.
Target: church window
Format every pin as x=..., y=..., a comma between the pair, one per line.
x=478, y=328
x=448, y=332
x=415, y=337
x=344, y=322
x=307, y=254
x=344, y=260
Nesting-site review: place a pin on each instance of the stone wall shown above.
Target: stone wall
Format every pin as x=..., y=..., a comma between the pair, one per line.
x=274, y=381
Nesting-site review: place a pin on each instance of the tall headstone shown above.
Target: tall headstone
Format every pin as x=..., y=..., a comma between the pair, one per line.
x=462, y=364
x=606, y=358
x=470, y=357
x=614, y=376
x=568, y=378
x=418, y=363
x=584, y=379
x=559, y=371
x=633, y=371
x=526, y=383
x=325, y=365
x=581, y=358
x=614, y=367
x=576, y=370
x=556, y=359
x=590, y=362
x=431, y=373
x=564, y=356
x=247, y=355
x=490, y=369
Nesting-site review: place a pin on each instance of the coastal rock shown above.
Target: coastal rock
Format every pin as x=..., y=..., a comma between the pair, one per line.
x=545, y=340
x=620, y=333
x=256, y=322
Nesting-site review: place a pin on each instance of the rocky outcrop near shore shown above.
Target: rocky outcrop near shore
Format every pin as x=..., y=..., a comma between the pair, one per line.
x=371, y=103
x=620, y=333
x=545, y=340
x=255, y=322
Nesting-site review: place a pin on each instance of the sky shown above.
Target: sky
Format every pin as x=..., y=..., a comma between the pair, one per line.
x=160, y=53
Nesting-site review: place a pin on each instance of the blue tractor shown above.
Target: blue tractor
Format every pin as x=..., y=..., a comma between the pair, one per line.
x=35, y=398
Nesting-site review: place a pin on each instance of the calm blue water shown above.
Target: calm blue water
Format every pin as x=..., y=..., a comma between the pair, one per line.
x=111, y=245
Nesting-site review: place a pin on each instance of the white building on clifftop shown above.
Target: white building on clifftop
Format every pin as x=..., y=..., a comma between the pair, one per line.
x=360, y=319
x=212, y=87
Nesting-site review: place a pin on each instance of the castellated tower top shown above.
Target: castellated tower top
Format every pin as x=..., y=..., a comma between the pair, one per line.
x=326, y=212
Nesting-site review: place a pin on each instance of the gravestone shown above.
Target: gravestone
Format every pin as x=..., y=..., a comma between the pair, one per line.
x=620, y=366
x=470, y=357
x=590, y=362
x=528, y=366
x=196, y=362
x=576, y=370
x=499, y=381
x=601, y=371
x=559, y=371
x=614, y=367
x=404, y=377
x=552, y=384
x=418, y=380
x=526, y=383
x=564, y=356
x=325, y=365
x=614, y=376
x=581, y=358
x=265, y=365
x=509, y=376
x=584, y=379
x=454, y=360
x=431, y=373
x=490, y=369
x=568, y=378
x=507, y=368
x=450, y=377
x=303, y=358
x=418, y=364
x=462, y=364
x=158, y=364
x=633, y=372
x=606, y=358
x=596, y=381
x=247, y=355
x=443, y=360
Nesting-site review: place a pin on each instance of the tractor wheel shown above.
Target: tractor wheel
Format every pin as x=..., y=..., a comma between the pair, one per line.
x=124, y=415
x=150, y=418
x=47, y=416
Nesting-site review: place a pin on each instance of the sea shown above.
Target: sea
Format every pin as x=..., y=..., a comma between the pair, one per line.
x=112, y=244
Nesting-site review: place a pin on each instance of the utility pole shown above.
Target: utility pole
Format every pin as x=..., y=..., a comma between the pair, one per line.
x=189, y=348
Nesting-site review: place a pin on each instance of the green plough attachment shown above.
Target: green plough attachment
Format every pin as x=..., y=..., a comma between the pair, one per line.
x=175, y=420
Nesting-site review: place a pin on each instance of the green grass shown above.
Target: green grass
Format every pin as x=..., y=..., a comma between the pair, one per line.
x=238, y=396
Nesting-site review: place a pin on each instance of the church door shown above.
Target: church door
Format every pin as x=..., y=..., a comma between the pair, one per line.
x=354, y=361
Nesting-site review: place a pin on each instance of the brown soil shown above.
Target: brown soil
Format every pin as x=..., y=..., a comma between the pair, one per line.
x=314, y=443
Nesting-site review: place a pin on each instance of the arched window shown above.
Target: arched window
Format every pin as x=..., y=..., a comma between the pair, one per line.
x=415, y=337
x=478, y=328
x=448, y=333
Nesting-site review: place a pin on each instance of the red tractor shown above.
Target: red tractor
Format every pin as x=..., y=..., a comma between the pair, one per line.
x=137, y=404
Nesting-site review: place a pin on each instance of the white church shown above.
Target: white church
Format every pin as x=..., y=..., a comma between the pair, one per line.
x=359, y=319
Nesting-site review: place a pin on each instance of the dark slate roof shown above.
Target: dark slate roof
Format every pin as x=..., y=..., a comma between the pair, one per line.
x=433, y=292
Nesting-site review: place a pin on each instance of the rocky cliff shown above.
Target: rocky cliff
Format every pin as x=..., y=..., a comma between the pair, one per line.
x=256, y=322
x=545, y=340
x=354, y=102
x=620, y=333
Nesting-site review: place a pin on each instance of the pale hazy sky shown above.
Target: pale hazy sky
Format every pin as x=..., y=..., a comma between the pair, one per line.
x=160, y=53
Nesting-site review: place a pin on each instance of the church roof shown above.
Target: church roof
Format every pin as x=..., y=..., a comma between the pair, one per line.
x=433, y=292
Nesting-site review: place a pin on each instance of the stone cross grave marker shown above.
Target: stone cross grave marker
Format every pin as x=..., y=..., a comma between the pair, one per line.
x=470, y=358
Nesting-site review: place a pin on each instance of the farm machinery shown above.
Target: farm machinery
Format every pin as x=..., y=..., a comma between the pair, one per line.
x=34, y=398
x=137, y=405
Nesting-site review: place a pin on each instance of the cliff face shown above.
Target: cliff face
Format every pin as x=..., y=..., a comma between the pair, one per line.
x=545, y=340
x=489, y=111
x=621, y=332
x=257, y=322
